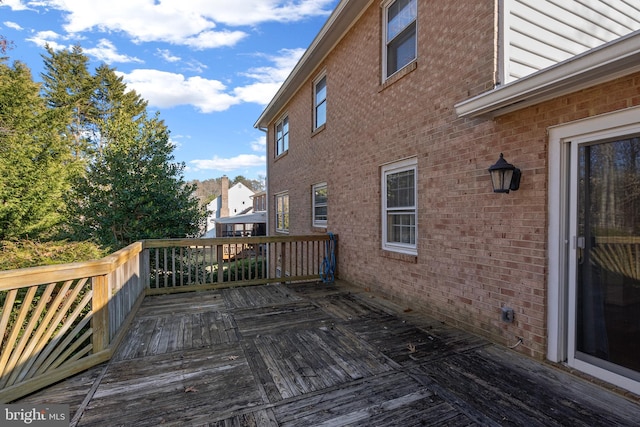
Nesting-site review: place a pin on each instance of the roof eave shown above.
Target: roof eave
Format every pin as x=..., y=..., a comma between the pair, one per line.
x=605, y=63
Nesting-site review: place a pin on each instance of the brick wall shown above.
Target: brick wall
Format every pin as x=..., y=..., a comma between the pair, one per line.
x=477, y=251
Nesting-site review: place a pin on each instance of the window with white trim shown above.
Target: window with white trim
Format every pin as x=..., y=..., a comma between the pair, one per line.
x=320, y=204
x=399, y=207
x=282, y=212
x=282, y=136
x=320, y=102
x=400, y=35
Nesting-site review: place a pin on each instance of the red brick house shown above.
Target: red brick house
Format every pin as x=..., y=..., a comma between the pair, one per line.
x=384, y=133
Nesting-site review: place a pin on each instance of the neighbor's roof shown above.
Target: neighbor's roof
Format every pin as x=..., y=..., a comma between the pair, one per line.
x=343, y=17
x=251, y=218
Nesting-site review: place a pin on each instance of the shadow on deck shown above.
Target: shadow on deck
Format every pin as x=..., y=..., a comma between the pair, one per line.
x=316, y=354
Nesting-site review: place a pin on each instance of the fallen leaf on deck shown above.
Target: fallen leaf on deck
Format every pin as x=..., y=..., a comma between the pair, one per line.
x=191, y=389
x=411, y=347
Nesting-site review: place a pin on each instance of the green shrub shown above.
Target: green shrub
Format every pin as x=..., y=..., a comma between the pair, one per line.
x=244, y=269
x=28, y=253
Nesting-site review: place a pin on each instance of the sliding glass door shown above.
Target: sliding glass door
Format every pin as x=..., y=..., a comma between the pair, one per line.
x=604, y=271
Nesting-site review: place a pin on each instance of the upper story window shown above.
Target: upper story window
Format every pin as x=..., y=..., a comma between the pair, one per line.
x=282, y=212
x=320, y=205
x=399, y=35
x=320, y=102
x=282, y=136
x=399, y=207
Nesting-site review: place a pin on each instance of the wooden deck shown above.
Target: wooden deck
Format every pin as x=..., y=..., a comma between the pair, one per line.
x=319, y=355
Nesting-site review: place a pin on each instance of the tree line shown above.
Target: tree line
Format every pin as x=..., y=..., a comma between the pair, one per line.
x=82, y=158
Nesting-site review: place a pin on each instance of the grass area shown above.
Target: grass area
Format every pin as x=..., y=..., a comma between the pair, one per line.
x=29, y=253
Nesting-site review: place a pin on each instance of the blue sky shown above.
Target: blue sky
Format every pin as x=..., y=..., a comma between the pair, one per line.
x=209, y=66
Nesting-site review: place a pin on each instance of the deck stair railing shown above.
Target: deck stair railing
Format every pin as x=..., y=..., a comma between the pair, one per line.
x=59, y=320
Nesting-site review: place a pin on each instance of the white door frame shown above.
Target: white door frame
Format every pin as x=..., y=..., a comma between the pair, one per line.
x=561, y=253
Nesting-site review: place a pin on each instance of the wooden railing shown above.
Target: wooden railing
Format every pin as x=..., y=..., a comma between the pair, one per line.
x=59, y=320
x=179, y=265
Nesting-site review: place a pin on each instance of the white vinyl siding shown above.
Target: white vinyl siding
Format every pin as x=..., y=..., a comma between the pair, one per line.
x=539, y=33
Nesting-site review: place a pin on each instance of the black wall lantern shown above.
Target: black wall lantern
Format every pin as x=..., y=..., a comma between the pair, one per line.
x=504, y=176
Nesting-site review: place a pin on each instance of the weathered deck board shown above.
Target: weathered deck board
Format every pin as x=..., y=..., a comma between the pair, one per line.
x=409, y=344
x=248, y=297
x=175, y=388
x=320, y=354
x=69, y=392
x=305, y=361
x=530, y=396
x=274, y=318
x=182, y=303
x=393, y=398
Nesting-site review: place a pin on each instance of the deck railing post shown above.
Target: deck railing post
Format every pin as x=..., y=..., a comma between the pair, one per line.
x=220, y=260
x=145, y=269
x=100, y=316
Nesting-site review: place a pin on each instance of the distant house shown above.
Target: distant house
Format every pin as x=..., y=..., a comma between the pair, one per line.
x=251, y=223
x=386, y=128
x=237, y=200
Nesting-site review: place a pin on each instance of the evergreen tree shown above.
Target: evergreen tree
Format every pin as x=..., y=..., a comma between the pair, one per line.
x=133, y=189
x=33, y=158
x=68, y=87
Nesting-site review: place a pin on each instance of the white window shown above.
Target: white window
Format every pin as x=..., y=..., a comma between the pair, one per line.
x=282, y=212
x=282, y=136
x=320, y=205
x=400, y=47
x=320, y=102
x=399, y=207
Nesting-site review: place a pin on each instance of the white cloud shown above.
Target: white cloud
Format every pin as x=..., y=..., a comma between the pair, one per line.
x=191, y=23
x=14, y=4
x=194, y=65
x=268, y=79
x=259, y=93
x=230, y=164
x=12, y=25
x=260, y=144
x=107, y=52
x=253, y=12
x=43, y=38
x=284, y=63
x=212, y=39
x=167, y=55
x=163, y=89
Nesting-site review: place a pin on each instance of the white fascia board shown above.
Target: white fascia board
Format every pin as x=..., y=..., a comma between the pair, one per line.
x=605, y=63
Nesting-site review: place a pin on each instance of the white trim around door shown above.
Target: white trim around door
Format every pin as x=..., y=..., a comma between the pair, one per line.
x=561, y=302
